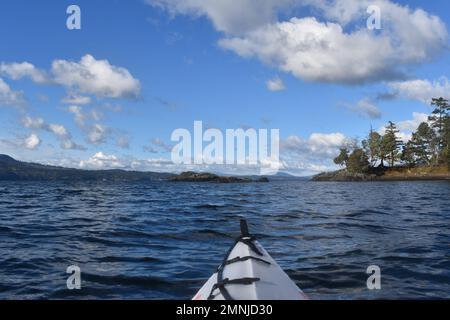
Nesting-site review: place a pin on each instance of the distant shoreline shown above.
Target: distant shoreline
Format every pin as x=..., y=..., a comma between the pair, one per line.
x=13, y=170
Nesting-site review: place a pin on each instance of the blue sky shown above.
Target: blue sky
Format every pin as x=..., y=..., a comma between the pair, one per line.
x=171, y=62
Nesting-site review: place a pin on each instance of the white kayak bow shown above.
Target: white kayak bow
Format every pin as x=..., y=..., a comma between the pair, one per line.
x=248, y=272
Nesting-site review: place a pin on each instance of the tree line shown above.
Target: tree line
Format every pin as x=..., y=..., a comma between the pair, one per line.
x=429, y=145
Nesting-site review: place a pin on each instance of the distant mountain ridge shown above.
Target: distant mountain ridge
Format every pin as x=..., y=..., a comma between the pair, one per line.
x=11, y=169
x=283, y=175
x=6, y=158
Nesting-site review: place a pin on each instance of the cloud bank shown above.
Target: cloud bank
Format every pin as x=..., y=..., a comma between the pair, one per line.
x=337, y=48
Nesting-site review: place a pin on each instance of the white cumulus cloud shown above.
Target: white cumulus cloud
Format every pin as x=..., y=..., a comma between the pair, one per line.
x=275, y=84
x=97, y=134
x=312, y=154
x=10, y=97
x=96, y=77
x=101, y=160
x=32, y=142
x=324, y=52
x=33, y=123
x=78, y=113
x=87, y=76
x=21, y=70
x=58, y=130
x=422, y=90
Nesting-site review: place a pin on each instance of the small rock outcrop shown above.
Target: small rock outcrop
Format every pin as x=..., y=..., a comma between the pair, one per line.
x=191, y=176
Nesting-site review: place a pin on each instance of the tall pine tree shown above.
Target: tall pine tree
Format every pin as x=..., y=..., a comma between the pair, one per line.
x=446, y=142
x=437, y=120
x=390, y=144
x=372, y=146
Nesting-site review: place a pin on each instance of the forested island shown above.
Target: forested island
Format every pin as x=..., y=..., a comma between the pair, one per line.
x=385, y=157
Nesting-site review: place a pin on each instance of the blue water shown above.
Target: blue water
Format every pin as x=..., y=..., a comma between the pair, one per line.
x=163, y=240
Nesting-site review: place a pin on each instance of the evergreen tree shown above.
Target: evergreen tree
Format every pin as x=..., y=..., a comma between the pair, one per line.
x=372, y=146
x=446, y=142
x=408, y=154
x=342, y=158
x=423, y=143
x=429, y=145
x=382, y=152
x=390, y=144
x=437, y=120
x=358, y=162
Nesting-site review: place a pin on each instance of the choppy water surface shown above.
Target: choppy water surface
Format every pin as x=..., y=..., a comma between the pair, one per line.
x=163, y=240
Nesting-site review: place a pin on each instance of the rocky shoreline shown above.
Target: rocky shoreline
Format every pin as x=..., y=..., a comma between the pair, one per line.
x=398, y=174
x=210, y=177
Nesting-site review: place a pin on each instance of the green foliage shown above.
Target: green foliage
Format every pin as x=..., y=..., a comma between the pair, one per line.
x=424, y=144
x=390, y=144
x=429, y=145
x=358, y=162
x=446, y=142
x=372, y=147
x=408, y=154
x=439, y=114
x=342, y=158
x=438, y=122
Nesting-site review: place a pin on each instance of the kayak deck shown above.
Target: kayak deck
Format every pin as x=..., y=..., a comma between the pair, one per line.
x=248, y=272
